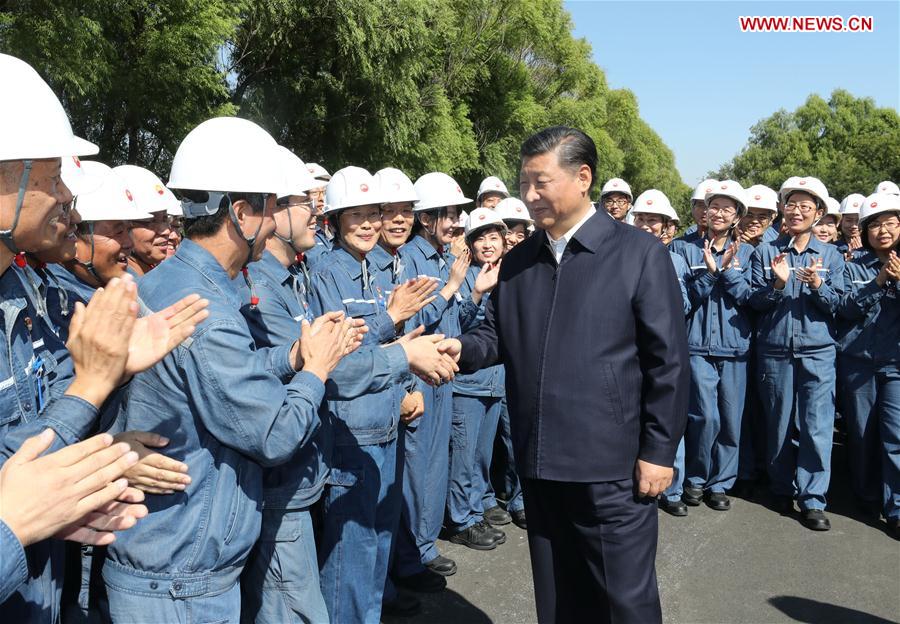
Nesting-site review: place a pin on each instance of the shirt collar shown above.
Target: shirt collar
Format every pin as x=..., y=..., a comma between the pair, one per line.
x=272, y=267
x=571, y=233
x=350, y=264
x=205, y=263
x=424, y=246
x=380, y=257
x=814, y=244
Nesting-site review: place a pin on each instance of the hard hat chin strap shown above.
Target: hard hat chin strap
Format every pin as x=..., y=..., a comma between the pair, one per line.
x=89, y=265
x=252, y=239
x=7, y=235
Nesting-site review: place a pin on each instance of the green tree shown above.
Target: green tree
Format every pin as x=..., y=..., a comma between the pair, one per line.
x=135, y=75
x=847, y=142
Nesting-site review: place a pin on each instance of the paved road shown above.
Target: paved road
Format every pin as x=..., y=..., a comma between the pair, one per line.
x=746, y=565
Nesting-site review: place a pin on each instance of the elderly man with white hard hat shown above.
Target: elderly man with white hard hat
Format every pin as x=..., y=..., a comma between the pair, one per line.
x=52, y=495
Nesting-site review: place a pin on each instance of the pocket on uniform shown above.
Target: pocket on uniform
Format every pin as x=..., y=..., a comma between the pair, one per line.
x=611, y=388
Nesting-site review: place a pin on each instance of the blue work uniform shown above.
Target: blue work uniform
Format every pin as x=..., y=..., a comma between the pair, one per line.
x=795, y=350
x=426, y=440
x=281, y=581
x=477, y=404
x=323, y=247
x=869, y=333
x=692, y=234
x=361, y=508
x=35, y=371
x=676, y=489
x=229, y=410
x=719, y=333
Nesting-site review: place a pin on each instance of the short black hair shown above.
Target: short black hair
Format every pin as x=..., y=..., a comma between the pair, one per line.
x=202, y=227
x=573, y=148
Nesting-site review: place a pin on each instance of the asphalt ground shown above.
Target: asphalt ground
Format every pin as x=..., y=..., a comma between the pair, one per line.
x=749, y=564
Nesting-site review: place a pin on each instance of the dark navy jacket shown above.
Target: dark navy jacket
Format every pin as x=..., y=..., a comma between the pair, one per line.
x=595, y=350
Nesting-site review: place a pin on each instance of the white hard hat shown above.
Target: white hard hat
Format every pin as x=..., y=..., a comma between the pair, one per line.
x=111, y=200
x=616, y=185
x=318, y=172
x=295, y=176
x=653, y=201
x=876, y=203
x=463, y=220
x=33, y=123
x=482, y=218
x=729, y=188
x=149, y=192
x=702, y=189
x=492, y=184
x=852, y=203
x=809, y=185
x=395, y=187
x=833, y=208
x=887, y=187
x=72, y=173
x=221, y=155
x=349, y=187
x=438, y=190
x=512, y=209
x=761, y=196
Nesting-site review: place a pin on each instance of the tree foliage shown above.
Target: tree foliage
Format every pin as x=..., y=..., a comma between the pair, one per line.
x=848, y=143
x=450, y=85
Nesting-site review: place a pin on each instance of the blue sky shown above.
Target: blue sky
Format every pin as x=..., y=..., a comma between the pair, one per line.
x=702, y=83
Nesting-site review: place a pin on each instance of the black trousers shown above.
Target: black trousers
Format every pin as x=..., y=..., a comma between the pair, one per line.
x=593, y=552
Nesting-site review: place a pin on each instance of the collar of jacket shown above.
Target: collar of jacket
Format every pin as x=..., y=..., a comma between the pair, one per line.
x=814, y=245
x=345, y=260
x=272, y=268
x=590, y=235
x=869, y=260
x=196, y=257
x=380, y=258
x=425, y=247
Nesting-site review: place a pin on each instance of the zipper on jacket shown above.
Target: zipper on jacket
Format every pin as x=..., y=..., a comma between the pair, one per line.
x=540, y=394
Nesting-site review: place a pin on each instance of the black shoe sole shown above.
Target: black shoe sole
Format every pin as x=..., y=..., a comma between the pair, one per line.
x=691, y=502
x=497, y=522
x=467, y=544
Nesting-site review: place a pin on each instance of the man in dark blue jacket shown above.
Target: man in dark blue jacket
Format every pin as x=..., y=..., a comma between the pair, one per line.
x=587, y=317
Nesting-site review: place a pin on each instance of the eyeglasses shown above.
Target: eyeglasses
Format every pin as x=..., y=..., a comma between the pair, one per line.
x=726, y=212
x=759, y=218
x=803, y=208
x=889, y=226
x=618, y=203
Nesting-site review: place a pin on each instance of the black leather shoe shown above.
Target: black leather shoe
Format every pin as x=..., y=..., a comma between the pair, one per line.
x=442, y=565
x=673, y=508
x=499, y=536
x=518, y=518
x=815, y=520
x=404, y=605
x=717, y=501
x=425, y=582
x=783, y=504
x=692, y=496
x=497, y=516
x=477, y=537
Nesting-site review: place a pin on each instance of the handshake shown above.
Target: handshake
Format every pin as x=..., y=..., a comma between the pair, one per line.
x=432, y=358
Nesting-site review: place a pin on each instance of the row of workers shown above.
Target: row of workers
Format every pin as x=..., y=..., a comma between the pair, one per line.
x=791, y=305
